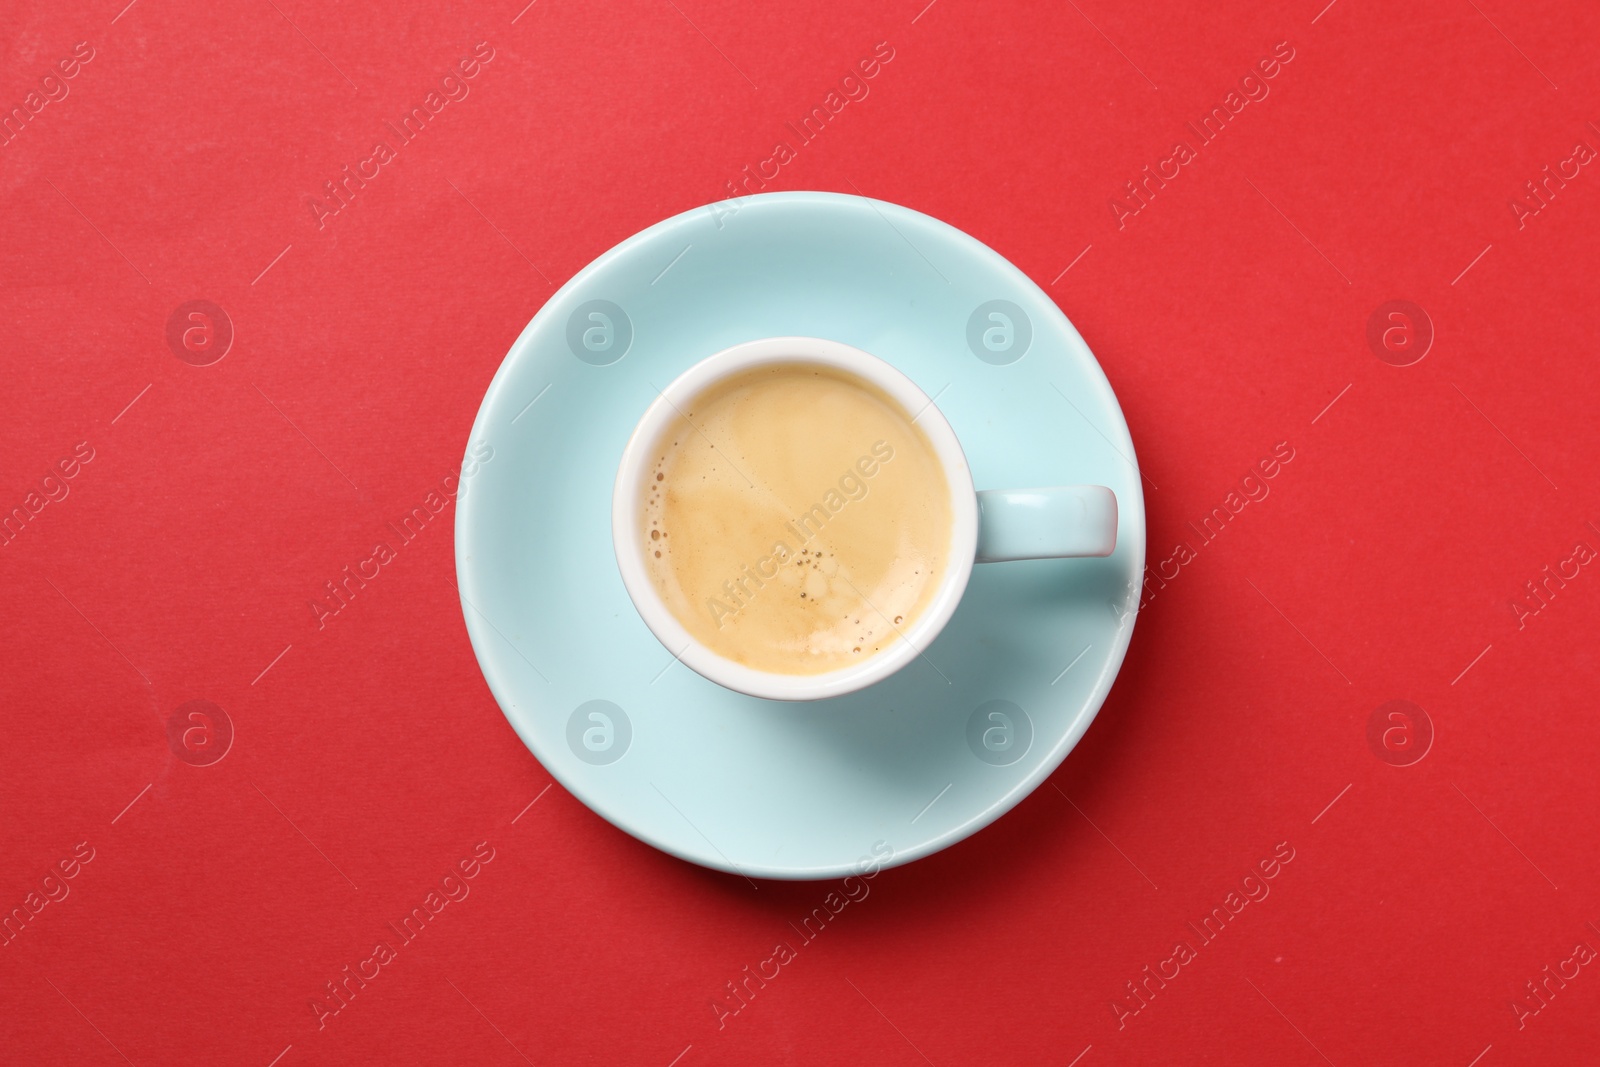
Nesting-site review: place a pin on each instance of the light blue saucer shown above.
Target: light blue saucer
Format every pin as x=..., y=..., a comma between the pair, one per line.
x=760, y=788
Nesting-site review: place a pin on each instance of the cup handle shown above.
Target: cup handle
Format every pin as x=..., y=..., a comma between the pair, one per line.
x=1069, y=520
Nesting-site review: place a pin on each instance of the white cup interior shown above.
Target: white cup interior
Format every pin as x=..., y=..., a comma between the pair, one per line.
x=627, y=531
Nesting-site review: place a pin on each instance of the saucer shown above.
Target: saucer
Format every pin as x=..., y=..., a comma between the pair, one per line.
x=763, y=788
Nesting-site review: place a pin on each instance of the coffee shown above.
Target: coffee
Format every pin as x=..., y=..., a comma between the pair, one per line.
x=796, y=519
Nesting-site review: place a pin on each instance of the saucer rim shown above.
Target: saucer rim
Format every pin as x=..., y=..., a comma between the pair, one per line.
x=498, y=679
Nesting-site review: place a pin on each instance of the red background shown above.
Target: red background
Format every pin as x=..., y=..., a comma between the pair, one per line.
x=1228, y=313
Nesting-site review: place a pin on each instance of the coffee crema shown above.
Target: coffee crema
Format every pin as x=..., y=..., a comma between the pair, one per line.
x=796, y=519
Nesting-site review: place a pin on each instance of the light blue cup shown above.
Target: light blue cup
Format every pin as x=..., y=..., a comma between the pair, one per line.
x=1018, y=524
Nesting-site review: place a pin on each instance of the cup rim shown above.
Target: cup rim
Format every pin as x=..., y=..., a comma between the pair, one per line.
x=627, y=534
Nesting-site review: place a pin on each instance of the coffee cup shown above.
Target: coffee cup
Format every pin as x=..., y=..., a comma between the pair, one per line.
x=825, y=517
